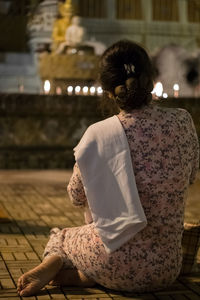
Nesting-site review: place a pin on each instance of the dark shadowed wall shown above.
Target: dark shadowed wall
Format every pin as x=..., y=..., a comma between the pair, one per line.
x=39, y=132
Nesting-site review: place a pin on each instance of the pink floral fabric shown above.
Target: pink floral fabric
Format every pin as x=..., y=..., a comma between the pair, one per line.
x=164, y=151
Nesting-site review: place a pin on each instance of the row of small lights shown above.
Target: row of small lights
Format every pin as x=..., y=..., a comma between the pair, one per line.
x=158, y=90
x=85, y=90
x=77, y=90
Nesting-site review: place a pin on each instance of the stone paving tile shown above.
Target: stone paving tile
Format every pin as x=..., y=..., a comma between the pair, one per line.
x=35, y=207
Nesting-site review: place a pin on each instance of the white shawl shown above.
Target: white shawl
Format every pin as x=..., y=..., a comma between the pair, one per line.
x=104, y=160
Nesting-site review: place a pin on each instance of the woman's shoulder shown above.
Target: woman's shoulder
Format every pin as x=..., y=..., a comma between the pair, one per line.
x=168, y=109
x=103, y=123
x=154, y=109
x=177, y=112
x=157, y=113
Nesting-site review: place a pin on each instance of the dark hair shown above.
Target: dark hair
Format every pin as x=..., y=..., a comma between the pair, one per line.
x=127, y=72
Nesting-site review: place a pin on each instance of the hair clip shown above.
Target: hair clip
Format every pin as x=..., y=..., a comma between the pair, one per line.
x=130, y=68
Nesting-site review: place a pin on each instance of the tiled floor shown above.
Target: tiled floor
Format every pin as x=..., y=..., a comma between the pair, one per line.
x=35, y=201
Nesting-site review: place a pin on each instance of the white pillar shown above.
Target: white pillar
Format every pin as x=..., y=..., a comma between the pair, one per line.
x=147, y=10
x=111, y=9
x=182, y=6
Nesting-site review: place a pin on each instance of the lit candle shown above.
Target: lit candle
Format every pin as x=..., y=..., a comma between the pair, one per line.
x=99, y=90
x=92, y=90
x=47, y=86
x=85, y=90
x=21, y=84
x=158, y=89
x=176, y=89
x=70, y=90
x=165, y=95
x=77, y=90
x=21, y=88
x=58, y=90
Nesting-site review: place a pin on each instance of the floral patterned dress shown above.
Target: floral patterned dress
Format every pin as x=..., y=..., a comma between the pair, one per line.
x=164, y=152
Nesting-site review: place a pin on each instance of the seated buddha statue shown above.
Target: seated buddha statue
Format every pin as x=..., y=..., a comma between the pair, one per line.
x=75, y=35
x=66, y=11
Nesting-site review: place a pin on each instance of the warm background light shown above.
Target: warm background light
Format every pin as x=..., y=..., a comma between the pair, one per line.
x=158, y=89
x=47, y=86
x=92, y=90
x=85, y=90
x=176, y=87
x=77, y=89
x=99, y=90
x=165, y=95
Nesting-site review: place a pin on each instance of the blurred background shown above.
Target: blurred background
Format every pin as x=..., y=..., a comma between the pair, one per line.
x=50, y=94
x=49, y=55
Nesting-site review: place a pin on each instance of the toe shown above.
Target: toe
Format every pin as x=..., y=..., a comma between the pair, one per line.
x=19, y=284
x=23, y=293
x=27, y=291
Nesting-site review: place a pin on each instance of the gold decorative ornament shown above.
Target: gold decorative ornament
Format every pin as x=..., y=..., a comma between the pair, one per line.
x=68, y=67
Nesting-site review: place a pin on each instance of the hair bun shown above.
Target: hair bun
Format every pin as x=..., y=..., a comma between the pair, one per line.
x=127, y=73
x=120, y=91
x=131, y=83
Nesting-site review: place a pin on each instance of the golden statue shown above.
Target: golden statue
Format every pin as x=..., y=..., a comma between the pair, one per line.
x=66, y=12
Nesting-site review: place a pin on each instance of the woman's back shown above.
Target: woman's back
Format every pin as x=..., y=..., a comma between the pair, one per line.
x=164, y=151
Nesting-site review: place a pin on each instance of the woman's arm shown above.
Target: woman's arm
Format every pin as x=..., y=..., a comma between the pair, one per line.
x=195, y=152
x=77, y=194
x=75, y=188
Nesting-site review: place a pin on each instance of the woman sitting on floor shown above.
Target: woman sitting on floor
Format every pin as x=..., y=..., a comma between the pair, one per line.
x=132, y=170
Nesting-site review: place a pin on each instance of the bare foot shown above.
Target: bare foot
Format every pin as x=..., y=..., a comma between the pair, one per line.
x=71, y=277
x=34, y=280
